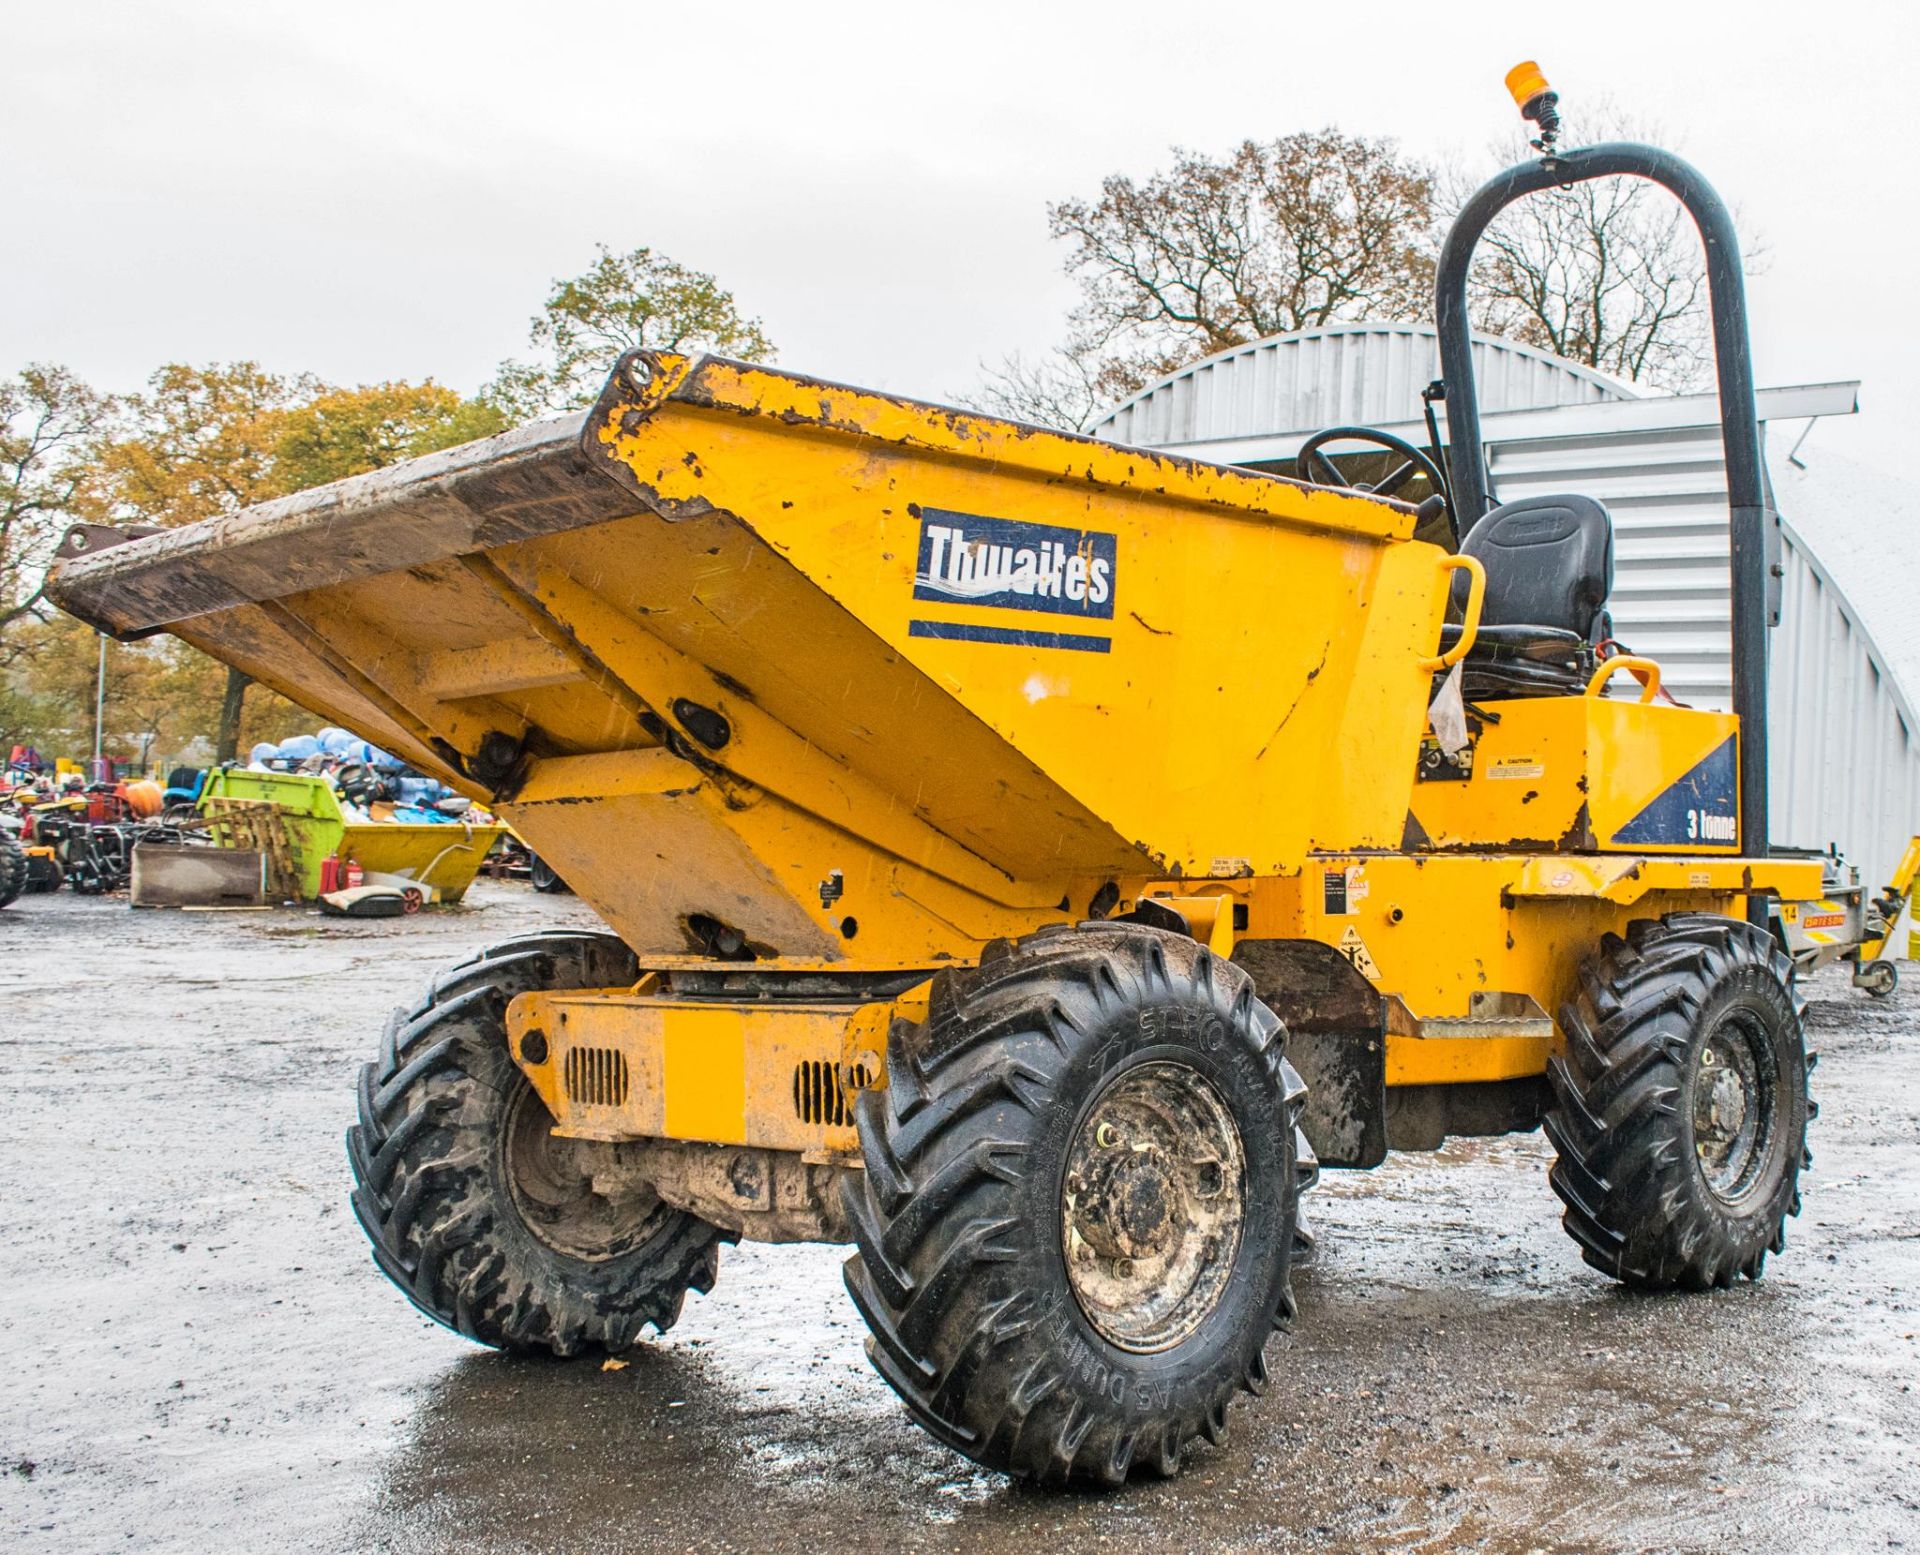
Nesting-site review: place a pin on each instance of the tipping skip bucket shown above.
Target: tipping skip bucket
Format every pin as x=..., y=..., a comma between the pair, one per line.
x=445, y=855
x=768, y=666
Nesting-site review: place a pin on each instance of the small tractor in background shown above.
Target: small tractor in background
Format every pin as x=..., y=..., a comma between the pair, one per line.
x=1029, y=860
x=81, y=836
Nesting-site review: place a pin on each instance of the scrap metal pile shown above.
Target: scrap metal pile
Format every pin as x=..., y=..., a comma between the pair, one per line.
x=329, y=793
x=373, y=785
x=79, y=834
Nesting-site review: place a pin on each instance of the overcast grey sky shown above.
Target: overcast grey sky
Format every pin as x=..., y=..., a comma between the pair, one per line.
x=380, y=190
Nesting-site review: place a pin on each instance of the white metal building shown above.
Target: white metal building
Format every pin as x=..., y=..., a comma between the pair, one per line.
x=1846, y=656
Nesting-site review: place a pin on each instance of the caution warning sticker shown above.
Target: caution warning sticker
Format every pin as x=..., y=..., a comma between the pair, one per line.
x=1354, y=948
x=1344, y=889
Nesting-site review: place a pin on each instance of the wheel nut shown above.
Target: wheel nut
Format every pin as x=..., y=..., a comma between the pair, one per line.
x=1106, y=1136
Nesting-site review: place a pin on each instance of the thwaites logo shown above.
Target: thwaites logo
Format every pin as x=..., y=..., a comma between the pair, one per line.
x=967, y=559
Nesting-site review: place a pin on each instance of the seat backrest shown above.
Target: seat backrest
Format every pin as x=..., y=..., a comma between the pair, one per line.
x=1549, y=562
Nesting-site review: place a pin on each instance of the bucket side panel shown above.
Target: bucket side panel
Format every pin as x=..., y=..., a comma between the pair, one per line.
x=1189, y=672
x=670, y=856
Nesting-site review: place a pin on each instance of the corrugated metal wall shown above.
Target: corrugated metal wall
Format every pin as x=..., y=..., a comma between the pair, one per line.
x=1346, y=375
x=1667, y=492
x=1845, y=765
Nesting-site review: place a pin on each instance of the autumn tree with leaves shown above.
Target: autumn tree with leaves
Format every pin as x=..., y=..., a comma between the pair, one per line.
x=198, y=443
x=342, y=432
x=1217, y=251
x=639, y=298
x=49, y=421
x=1315, y=228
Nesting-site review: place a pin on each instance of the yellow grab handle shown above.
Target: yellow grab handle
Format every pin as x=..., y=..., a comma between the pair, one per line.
x=1643, y=670
x=1469, y=628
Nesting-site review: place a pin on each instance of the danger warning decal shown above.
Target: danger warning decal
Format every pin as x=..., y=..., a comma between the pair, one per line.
x=1008, y=564
x=1354, y=948
x=1699, y=811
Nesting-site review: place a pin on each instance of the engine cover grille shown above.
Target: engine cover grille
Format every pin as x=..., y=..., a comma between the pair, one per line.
x=597, y=1076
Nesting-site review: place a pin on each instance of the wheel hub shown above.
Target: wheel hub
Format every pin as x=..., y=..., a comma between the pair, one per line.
x=1731, y=1109
x=1153, y=1206
x=551, y=1181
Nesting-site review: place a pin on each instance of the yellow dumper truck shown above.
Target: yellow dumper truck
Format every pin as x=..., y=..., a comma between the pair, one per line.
x=1027, y=859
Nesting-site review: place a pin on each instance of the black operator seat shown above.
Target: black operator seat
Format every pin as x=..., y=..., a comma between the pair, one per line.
x=1549, y=566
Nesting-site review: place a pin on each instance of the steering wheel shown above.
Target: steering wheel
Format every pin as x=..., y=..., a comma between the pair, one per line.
x=1316, y=469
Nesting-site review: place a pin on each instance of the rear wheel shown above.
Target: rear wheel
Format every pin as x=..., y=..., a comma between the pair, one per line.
x=13, y=868
x=1680, y=1108
x=1076, y=1219
x=486, y=1221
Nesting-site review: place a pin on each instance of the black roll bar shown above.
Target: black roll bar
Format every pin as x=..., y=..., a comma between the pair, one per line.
x=1750, y=513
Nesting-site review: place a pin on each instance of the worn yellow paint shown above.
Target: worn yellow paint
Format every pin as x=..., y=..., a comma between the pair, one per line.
x=1439, y=929
x=1453, y=1060
x=708, y=1071
x=1569, y=773
x=832, y=483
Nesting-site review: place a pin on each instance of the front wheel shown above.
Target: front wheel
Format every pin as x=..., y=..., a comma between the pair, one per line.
x=1076, y=1219
x=1680, y=1108
x=486, y=1221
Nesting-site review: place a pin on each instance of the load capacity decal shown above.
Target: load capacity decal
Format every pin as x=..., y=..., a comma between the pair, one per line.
x=1699, y=811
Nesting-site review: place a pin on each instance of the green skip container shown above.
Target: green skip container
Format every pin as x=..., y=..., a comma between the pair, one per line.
x=444, y=855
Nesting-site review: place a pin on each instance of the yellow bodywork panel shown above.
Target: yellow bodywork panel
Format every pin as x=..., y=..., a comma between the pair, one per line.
x=1455, y=1060
x=618, y=1065
x=856, y=677
x=1461, y=945
x=1078, y=599
x=1439, y=932
x=1587, y=773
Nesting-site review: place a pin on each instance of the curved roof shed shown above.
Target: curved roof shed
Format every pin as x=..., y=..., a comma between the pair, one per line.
x=1846, y=657
x=1366, y=375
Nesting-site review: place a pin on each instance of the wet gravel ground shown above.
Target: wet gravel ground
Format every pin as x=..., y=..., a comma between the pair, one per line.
x=199, y=1354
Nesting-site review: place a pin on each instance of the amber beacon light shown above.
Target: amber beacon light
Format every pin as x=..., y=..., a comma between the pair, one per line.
x=1538, y=102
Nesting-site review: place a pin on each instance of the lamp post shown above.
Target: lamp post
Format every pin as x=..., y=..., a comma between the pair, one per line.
x=100, y=711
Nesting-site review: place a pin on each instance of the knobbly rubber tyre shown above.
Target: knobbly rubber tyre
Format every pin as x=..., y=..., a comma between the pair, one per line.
x=13, y=868
x=437, y=1193
x=1637, y=1156
x=962, y=1222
